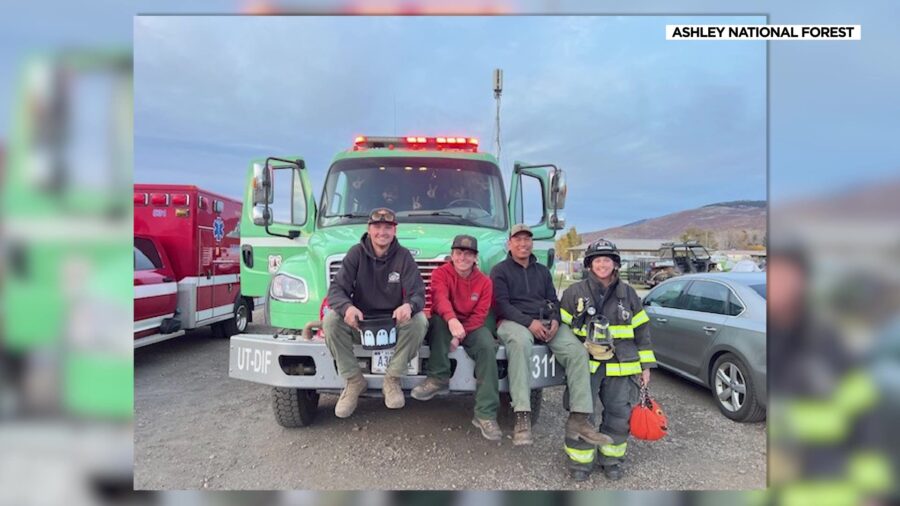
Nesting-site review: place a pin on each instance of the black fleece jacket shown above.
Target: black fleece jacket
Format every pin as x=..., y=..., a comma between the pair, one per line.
x=521, y=294
x=377, y=285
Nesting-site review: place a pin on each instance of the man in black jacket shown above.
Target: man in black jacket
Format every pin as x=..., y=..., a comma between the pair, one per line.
x=527, y=309
x=378, y=278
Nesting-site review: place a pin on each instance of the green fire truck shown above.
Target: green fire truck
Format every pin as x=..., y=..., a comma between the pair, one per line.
x=291, y=249
x=65, y=228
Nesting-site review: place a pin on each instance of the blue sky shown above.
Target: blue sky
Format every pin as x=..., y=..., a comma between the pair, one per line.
x=833, y=105
x=658, y=126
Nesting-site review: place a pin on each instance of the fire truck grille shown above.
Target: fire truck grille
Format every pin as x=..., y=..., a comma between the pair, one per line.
x=426, y=267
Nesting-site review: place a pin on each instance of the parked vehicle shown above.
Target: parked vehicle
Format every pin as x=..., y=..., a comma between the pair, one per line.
x=291, y=249
x=186, y=263
x=711, y=329
x=677, y=259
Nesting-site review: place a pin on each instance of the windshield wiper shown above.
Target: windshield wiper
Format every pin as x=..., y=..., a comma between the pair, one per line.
x=462, y=218
x=349, y=215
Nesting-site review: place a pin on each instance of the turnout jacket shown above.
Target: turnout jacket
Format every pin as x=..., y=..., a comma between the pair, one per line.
x=628, y=323
x=377, y=285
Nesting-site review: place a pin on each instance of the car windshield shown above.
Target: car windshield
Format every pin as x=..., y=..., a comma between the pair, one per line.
x=760, y=289
x=699, y=252
x=419, y=190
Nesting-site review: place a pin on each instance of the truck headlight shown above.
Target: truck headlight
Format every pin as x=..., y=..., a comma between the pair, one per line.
x=289, y=289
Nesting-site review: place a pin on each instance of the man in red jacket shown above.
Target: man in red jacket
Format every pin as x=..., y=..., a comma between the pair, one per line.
x=461, y=298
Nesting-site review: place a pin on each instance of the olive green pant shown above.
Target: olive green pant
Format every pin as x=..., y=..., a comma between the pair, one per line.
x=481, y=346
x=570, y=353
x=340, y=337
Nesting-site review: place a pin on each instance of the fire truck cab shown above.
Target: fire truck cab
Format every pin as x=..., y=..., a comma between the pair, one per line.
x=291, y=249
x=186, y=270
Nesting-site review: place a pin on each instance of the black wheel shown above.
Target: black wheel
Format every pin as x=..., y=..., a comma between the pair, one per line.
x=294, y=407
x=237, y=324
x=733, y=390
x=537, y=398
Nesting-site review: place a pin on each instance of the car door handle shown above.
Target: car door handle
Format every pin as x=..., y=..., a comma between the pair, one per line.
x=710, y=329
x=662, y=320
x=168, y=279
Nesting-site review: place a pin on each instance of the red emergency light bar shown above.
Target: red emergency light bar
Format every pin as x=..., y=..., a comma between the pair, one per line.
x=416, y=142
x=159, y=199
x=141, y=199
x=181, y=199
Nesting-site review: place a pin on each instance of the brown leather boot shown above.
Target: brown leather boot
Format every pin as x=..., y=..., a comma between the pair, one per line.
x=578, y=427
x=522, y=430
x=346, y=403
x=393, y=394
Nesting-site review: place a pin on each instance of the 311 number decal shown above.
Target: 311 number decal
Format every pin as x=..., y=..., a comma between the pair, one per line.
x=543, y=364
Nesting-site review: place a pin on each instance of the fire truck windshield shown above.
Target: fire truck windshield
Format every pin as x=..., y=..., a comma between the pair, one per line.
x=419, y=190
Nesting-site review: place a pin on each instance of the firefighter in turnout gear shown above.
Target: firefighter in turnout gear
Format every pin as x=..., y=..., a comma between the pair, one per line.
x=607, y=315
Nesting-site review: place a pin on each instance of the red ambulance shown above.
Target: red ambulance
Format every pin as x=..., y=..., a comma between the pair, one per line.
x=186, y=263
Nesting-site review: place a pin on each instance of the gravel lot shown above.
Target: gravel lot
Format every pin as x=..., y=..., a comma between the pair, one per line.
x=198, y=429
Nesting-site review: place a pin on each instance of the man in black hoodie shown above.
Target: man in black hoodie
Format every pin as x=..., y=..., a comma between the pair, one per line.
x=378, y=278
x=524, y=302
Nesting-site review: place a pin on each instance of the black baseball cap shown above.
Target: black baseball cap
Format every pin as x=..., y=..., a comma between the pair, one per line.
x=463, y=241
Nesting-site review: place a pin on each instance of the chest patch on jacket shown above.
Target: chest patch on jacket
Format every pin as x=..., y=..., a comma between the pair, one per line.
x=394, y=277
x=474, y=297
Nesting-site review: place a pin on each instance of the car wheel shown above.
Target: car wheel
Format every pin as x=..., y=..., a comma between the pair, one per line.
x=733, y=390
x=294, y=407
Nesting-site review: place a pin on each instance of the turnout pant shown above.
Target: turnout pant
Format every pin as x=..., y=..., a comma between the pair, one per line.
x=569, y=352
x=340, y=337
x=618, y=395
x=481, y=347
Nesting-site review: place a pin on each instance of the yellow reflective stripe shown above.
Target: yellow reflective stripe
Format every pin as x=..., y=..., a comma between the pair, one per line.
x=566, y=316
x=594, y=365
x=647, y=356
x=816, y=421
x=614, y=450
x=623, y=368
x=820, y=493
x=871, y=472
x=582, y=332
x=639, y=319
x=580, y=456
x=621, y=331
x=856, y=393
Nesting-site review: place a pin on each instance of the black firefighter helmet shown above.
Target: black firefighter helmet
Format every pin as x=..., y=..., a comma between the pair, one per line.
x=601, y=248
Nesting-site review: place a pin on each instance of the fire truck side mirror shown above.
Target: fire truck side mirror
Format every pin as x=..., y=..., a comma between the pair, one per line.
x=262, y=216
x=558, y=190
x=557, y=220
x=262, y=181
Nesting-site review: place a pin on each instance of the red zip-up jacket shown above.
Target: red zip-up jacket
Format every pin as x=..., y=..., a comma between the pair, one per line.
x=466, y=299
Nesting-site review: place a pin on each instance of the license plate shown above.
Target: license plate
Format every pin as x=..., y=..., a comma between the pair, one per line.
x=381, y=358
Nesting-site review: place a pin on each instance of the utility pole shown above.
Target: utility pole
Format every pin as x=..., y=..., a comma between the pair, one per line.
x=498, y=90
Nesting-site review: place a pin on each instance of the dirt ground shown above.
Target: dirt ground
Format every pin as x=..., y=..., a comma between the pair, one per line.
x=195, y=428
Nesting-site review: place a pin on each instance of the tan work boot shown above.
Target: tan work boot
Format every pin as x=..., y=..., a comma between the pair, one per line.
x=578, y=427
x=426, y=390
x=522, y=430
x=346, y=403
x=489, y=428
x=393, y=394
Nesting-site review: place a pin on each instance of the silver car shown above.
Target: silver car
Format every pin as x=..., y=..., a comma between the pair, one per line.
x=711, y=329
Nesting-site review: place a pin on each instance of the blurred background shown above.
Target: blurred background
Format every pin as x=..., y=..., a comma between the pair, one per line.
x=65, y=232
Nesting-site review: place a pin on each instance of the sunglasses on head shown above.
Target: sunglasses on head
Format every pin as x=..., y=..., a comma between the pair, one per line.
x=382, y=215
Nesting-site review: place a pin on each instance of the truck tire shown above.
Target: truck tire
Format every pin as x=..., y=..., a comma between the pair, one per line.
x=294, y=407
x=237, y=324
x=537, y=398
